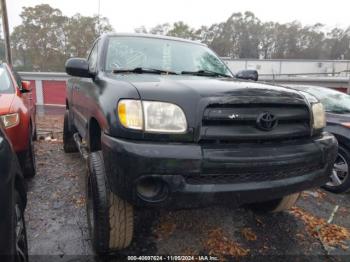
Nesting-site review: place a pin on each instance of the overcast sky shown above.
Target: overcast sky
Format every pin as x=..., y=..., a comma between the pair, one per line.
x=127, y=15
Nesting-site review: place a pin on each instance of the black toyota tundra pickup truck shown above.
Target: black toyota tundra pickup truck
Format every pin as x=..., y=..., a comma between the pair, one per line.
x=163, y=123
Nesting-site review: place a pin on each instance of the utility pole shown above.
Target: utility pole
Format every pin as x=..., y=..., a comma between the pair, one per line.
x=99, y=25
x=5, y=25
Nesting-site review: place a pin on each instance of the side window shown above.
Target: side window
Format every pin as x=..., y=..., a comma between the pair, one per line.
x=93, y=58
x=6, y=85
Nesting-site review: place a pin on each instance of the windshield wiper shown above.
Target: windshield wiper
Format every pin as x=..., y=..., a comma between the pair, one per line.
x=204, y=73
x=141, y=70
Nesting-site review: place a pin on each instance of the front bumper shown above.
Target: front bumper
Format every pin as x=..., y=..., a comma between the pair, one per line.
x=205, y=174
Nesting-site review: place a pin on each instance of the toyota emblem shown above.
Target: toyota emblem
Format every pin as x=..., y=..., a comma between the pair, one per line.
x=266, y=121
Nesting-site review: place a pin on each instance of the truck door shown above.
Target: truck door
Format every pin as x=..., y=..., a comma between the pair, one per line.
x=81, y=93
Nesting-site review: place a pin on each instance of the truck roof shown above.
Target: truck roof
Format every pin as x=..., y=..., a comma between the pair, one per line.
x=154, y=36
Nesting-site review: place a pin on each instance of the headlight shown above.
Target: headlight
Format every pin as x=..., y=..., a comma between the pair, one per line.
x=10, y=120
x=318, y=116
x=159, y=117
x=130, y=114
x=164, y=117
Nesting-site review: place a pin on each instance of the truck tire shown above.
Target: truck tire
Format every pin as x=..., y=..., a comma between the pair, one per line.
x=27, y=159
x=110, y=218
x=276, y=205
x=69, y=144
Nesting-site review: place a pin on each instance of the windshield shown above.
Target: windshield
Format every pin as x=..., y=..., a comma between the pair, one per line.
x=161, y=54
x=333, y=101
x=5, y=82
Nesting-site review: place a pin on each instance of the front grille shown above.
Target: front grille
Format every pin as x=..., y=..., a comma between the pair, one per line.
x=249, y=176
x=239, y=122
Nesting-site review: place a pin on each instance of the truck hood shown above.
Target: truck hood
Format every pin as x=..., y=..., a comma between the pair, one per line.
x=196, y=94
x=173, y=87
x=5, y=103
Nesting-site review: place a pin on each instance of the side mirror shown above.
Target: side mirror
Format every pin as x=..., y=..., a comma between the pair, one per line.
x=78, y=67
x=248, y=75
x=26, y=88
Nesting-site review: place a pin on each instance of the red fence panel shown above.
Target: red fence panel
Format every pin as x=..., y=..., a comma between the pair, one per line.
x=342, y=89
x=54, y=92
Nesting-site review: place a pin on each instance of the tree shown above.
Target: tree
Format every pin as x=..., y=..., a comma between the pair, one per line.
x=141, y=30
x=46, y=38
x=180, y=29
x=177, y=29
x=82, y=31
x=239, y=36
x=243, y=35
x=337, y=45
x=222, y=41
x=162, y=29
x=267, y=40
x=40, y=37
x=312, y=42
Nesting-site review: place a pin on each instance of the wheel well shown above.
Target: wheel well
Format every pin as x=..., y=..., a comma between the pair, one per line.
x=342, y=141
x=94, y=135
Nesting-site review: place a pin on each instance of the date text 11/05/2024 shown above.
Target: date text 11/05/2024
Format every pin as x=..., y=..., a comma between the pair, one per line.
x=173, y=258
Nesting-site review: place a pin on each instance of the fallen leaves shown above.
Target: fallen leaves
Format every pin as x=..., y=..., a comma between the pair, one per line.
x=219, y=244
x=329, y=234
x=79, y=201
x=248, y=234
x=319, y=194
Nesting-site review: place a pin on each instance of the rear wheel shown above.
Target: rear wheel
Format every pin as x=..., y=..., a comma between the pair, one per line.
x=21, y=246
x=69, y=144
x=110, y=218
x=276, y=205
x=340, y=179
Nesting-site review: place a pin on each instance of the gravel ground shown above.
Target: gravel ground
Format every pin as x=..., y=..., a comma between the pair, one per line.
x=57, y=229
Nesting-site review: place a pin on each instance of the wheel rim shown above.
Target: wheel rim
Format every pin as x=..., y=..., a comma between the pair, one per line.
x=89, y=207
x=340, y=172
x=21, y=240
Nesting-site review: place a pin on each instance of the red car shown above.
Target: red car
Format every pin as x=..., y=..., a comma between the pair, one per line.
x=17, y=113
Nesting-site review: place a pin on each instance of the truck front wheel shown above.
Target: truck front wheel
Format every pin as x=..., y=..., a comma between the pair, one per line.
x=110, y=218
x=276, y=205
